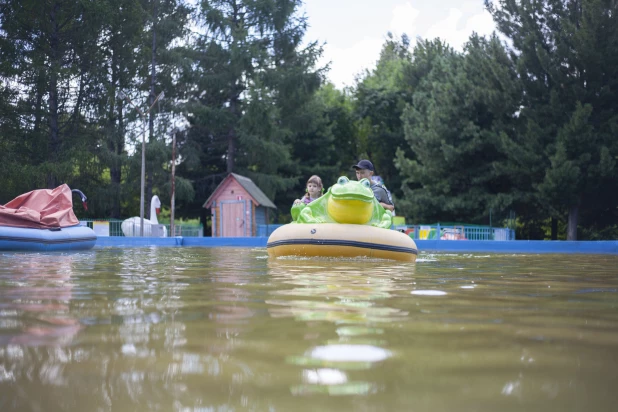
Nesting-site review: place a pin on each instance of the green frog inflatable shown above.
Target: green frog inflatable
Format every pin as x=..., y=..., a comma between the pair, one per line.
x=351, y=202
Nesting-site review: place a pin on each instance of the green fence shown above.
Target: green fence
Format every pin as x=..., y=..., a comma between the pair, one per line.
x=112, y=227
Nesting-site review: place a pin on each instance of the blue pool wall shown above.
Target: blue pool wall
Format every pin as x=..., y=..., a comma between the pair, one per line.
x=509, y=246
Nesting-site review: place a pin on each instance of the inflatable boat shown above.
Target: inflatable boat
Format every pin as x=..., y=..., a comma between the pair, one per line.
x=341, y=240
x=347, y=221
x=43, y=220
x=47, y=240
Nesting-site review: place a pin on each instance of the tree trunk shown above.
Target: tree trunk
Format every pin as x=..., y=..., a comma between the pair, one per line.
x=116, y=140
x=75, y=120
x=572, y=225
x=231, y=138
x=39, y=117
x=231, y=148
x=54, y=138
x=554, y=228
x=235, y=90
x=151, y=115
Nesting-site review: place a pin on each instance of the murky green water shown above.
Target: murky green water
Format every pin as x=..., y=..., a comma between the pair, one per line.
x=198, y=329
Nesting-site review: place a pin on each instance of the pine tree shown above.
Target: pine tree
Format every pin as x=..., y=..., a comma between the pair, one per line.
x=251, y=83
x=463, y=105
x=51, y=50
x=566, y=57
x=380, y=99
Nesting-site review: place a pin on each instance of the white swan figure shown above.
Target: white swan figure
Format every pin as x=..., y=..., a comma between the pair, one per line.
x=131, y=226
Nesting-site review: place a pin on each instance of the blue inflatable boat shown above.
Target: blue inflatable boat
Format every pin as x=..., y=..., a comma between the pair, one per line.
x=47, y=240
x=43, y=220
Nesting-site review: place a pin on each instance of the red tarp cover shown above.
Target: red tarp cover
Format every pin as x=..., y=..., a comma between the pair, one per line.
x=40, y=209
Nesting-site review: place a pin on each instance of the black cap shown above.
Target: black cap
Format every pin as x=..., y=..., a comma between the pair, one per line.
x=364, y=164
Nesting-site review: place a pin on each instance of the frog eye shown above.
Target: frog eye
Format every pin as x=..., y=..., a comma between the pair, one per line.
x=365, y=183
x=342, y=180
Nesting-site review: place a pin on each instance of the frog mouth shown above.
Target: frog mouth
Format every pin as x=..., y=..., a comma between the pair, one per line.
x=352, y=196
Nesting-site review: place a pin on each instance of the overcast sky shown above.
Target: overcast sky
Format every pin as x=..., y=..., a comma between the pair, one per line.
x=355, y=30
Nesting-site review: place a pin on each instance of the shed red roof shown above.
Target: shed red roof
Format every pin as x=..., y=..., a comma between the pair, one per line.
x=259, y=198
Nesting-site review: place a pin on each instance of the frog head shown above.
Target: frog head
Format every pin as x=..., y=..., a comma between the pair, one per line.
x=351, y=201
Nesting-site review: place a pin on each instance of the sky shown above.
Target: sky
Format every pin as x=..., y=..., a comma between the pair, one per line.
x=353, y=31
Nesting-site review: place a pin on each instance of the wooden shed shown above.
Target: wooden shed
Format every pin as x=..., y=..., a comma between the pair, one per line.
x=238, y=206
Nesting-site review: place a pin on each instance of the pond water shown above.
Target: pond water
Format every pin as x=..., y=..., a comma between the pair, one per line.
x=221, y=329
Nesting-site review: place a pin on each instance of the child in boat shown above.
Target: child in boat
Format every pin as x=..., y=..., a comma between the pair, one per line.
x=314, y=190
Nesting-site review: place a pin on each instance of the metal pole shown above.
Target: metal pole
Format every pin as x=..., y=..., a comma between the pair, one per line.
x=143, y=177
x=141, y=206
x=141, y=194
x=172, y=228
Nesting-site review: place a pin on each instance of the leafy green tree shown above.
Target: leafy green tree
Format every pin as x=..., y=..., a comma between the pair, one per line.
x=251, y=86
x=67, y=60
x=51, y=47
x=9, y=117
x=380, y=99
x=337, y=109
x=166, y=23
x=115, y=70
x=316, y=150
x=463, y=107
x=138, y=59
x=565, y=52
x=430, y=66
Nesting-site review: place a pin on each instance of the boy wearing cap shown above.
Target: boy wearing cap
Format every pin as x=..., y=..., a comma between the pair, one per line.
x=364, y=170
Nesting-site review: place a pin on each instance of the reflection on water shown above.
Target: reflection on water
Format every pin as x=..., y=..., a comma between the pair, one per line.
x=338, y=291
x=34, y=300
x=195, y=329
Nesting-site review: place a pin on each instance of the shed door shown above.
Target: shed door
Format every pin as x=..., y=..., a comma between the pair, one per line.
x=233, y=218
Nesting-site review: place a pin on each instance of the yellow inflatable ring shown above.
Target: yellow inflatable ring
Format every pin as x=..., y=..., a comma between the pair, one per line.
x=340, y=240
